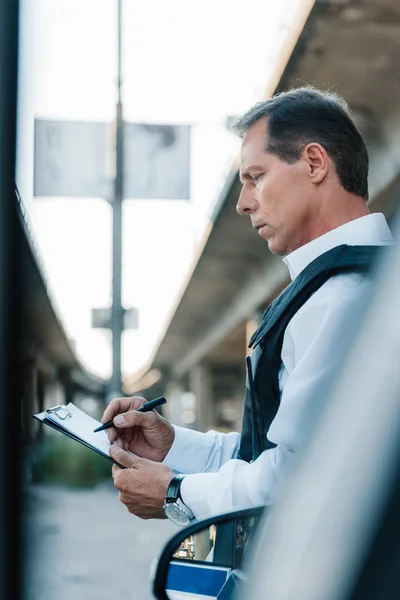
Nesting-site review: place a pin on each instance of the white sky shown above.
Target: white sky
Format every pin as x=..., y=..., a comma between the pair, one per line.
x=184, y=62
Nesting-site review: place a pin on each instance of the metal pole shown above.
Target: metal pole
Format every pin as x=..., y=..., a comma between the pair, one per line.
x=115, y=388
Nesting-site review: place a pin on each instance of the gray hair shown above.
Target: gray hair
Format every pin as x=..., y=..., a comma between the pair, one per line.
x=303, y=115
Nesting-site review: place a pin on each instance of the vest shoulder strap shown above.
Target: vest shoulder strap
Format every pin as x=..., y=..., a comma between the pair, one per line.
x=342, y=259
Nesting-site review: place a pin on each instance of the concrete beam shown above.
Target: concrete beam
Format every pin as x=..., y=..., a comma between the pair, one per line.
x=260, y=287
x=384, y=157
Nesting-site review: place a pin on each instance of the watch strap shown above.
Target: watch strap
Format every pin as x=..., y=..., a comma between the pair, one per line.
x=173, y=490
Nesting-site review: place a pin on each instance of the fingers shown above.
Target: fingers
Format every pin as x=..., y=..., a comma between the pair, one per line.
x=147, y=514
x=142, y=485
x=121, y=405
x=112, y=434
x=124, y=458
x=117, y=440
x=129, y=419
x=133, y=418
x=115, y=471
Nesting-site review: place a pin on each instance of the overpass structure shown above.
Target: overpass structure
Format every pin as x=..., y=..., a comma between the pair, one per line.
x=352, y=47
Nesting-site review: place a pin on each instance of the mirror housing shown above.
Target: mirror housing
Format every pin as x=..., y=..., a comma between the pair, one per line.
x=195, y=527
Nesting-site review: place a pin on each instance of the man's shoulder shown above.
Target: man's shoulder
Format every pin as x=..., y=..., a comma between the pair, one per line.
x=325, y=313
x=339, y=292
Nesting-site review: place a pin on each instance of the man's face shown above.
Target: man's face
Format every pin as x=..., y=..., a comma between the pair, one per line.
x=276, y=196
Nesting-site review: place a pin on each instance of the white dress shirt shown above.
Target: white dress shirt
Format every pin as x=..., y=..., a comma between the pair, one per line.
x=216, y=481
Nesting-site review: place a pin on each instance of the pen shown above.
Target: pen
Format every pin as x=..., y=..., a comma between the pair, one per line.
x=144, y=408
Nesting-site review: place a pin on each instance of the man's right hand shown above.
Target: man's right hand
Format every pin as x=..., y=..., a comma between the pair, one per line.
x=146, y=434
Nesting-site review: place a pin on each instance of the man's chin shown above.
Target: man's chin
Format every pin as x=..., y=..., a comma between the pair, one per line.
x=275, y=248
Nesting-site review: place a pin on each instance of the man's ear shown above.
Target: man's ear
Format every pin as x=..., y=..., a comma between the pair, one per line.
x=318, y=162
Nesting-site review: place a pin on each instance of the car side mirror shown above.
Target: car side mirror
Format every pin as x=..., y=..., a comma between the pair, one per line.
x=204, y=557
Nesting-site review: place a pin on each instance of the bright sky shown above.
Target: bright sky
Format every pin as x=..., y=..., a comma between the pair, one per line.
x=183, y=62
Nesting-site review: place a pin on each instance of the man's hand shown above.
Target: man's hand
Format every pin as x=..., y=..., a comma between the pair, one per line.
x=148, y=435
x=142, y=484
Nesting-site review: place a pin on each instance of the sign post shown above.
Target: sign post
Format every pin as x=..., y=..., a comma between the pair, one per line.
x=115, y=387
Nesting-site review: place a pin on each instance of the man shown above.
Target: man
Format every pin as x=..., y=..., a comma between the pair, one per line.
x=304, y=169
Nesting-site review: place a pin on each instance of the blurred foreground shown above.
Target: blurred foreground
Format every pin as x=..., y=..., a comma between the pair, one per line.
x=84, y=544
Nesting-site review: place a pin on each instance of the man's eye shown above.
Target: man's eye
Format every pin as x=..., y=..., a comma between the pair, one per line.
x=256, y=178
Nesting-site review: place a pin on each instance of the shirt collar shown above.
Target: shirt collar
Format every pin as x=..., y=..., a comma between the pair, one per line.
x=371, y=230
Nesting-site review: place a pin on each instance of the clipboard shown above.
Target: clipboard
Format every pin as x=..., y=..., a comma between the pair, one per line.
x=78, y=425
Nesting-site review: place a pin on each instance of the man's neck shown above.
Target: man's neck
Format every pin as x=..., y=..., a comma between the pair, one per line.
x=335, y=212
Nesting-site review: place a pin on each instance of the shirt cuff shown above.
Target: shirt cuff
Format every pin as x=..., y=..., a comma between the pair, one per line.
x=195, y=491
x=189, y=452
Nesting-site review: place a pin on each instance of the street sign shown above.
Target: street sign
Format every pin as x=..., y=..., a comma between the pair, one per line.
x=71, y=159
x=101, y=318
x=157, y=161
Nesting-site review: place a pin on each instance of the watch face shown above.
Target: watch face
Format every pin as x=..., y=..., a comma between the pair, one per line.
x=176, y=514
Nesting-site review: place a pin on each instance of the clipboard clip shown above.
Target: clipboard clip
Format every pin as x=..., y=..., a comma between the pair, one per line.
x=61, y=411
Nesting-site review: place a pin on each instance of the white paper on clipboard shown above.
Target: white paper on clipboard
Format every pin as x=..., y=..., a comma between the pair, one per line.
x=75, y=423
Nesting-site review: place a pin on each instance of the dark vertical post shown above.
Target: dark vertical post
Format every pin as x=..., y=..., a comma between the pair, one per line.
x=116, y=309
x=10, y=393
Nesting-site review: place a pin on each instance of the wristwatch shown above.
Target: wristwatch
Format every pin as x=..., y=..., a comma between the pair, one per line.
x=174, y=508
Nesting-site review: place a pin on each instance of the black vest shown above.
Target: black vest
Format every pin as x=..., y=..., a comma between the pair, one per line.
x=262, y=397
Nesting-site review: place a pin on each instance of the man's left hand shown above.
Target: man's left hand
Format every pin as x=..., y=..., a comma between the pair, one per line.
x=142, y=485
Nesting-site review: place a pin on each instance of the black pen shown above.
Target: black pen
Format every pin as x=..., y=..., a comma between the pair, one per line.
x=144, y=408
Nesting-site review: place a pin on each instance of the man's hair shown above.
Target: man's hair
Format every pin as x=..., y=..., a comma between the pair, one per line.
x=300, y=116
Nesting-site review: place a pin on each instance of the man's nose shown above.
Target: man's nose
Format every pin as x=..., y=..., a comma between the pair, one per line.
x=246, y=203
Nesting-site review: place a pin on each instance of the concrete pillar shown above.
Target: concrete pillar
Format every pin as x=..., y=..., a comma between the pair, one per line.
x=30, y=427
x=29, y=404
x=180, y=409
x=251, y=325
x=200, y=383
x=54, y=394
x=202, y=544
x=173, y=410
